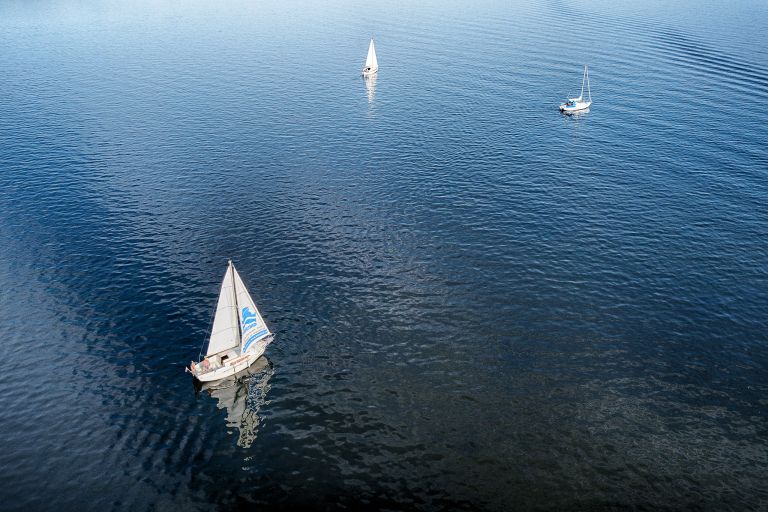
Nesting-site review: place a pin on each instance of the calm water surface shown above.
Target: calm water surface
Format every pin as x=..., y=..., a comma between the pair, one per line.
x=479, y=304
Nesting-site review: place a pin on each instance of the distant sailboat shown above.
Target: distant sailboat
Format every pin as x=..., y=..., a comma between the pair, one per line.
x=577, y=104
x=371, y=63
x=239, y=335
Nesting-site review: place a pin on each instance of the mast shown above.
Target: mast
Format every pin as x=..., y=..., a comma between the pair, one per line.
x=582, y=83
x=234, y=297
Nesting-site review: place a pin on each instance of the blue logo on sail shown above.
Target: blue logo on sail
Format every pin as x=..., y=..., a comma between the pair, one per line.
x=250, y=321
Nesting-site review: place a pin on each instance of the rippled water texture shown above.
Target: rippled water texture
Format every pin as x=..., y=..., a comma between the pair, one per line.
x=479, y=304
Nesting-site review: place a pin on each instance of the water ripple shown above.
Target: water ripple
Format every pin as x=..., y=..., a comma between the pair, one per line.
x=479, y=304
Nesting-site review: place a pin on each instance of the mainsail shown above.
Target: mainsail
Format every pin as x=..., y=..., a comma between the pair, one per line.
x=225, y=333
x=370, y=61
x=253, y=326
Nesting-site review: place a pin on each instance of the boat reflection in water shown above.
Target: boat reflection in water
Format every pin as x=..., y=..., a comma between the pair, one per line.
x=243, y=396
x=370, y=86
x=577, y=114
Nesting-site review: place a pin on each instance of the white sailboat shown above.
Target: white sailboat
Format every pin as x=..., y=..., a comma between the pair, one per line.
x=371, y=63
x=239, y=335
x=577, y=104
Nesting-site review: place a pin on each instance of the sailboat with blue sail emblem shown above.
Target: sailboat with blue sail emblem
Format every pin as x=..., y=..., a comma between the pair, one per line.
x=239, y=335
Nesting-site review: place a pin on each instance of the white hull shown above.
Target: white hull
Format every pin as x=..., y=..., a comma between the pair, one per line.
x=259, y=365
x=232, y=365
x=565, y=108
x=370, y=72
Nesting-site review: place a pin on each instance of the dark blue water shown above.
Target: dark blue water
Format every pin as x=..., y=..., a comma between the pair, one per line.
x=479, y=304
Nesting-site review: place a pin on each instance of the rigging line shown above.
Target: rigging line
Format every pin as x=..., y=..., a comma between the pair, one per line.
x=237, y=309
x=210, y=326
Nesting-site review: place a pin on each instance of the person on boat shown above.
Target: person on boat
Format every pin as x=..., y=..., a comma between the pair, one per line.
x=202, y=367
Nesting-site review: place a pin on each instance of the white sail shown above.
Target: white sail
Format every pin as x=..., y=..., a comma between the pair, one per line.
x=225, y=333
x=370, y=61
x=581, y=96
x=251, y=322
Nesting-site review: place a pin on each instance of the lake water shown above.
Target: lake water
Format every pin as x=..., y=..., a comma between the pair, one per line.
x=479, y=303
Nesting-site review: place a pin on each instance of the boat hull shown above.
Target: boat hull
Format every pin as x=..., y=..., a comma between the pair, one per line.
x=565, y=108
x=370, y=72
x=258, y=366
x=236, y=365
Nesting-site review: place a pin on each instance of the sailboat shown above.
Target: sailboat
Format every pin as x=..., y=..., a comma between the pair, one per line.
x=239, y=335
x=371, y=64
x=576, y=104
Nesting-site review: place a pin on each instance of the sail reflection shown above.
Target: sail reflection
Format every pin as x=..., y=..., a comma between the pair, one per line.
x=370, y=86
x=243, y=396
